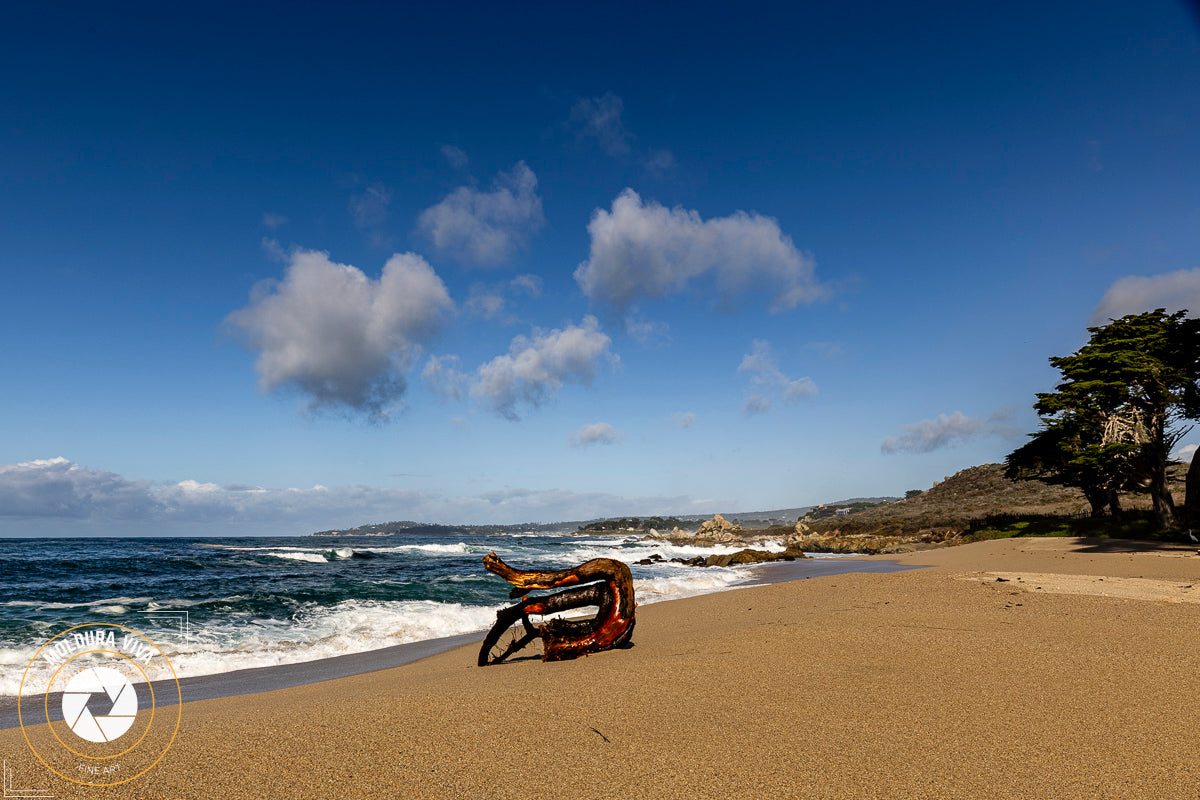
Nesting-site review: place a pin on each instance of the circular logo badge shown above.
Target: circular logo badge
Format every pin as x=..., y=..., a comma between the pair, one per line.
x=99, y=704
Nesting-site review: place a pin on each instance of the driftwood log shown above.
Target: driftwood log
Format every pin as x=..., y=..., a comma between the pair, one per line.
x=602, y=582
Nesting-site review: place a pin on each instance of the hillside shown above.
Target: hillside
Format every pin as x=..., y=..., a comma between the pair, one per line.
x=971, y=495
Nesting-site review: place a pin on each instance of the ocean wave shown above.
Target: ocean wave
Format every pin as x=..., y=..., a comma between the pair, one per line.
x=312, y=558
x=462, y=548
x=92, y=605
x=311, y=555
x=14, y=660
x=633, y=551
x=351, y=626
x=673, y=587
x=110, y=610
x=176, y=603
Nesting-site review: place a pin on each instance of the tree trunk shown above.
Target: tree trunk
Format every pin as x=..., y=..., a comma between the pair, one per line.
x=1164, y=505
x=1097, y=497
x=1114, y=502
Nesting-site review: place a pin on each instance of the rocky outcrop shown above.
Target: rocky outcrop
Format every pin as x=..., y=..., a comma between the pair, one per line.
x=866, y=544
x=797, y=540
x=718, y=529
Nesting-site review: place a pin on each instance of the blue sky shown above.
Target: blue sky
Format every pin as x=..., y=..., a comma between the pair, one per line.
x=293, y=267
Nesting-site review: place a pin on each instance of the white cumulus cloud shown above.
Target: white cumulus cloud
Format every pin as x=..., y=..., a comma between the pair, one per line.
x=443, y=376
x=933, y=434
x=491, y=302
x=486, y=227
x=766, y=376
x=534, y=369
x=595, y=433
x=340, y=338
x=59, y=488
x=1185, y=453
x=645, y=251
x=486, y=302
x=1137, y=294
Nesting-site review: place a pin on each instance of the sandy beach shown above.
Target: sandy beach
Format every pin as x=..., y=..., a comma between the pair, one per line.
x=1022, y=668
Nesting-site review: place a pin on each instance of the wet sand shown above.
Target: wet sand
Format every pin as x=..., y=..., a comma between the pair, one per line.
x=1006, y=670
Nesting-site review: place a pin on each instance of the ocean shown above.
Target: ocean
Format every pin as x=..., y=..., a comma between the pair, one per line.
x=216, y=605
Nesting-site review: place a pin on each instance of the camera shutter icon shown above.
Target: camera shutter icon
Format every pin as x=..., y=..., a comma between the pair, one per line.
x=112, y=691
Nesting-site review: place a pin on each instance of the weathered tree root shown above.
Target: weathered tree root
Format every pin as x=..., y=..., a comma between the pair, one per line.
x=609, y=586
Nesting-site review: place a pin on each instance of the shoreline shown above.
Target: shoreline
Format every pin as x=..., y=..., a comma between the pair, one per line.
x=256, y=680
x=927, y=683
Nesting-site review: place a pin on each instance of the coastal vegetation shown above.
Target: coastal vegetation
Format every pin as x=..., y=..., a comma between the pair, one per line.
x=631, y=524
x=1113, y=421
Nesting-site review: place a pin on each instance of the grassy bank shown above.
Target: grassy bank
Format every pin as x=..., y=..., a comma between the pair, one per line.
x=1134, y=525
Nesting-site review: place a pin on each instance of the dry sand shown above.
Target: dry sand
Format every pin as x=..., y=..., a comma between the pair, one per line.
x=938, y=683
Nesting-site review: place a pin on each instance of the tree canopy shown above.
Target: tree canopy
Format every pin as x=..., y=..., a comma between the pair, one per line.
x=1113, y=420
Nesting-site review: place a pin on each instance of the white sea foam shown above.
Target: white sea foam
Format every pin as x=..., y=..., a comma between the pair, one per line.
x=462, y=548
x=93, y=605
x=112, y=610
x=635, y=551
x=352, y=626
x=317, y=555
x=178, y=603
x=313, y=558
x=675, y=586
x=12, y=668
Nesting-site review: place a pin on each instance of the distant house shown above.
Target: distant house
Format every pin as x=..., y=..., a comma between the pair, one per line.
x=841, y=512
